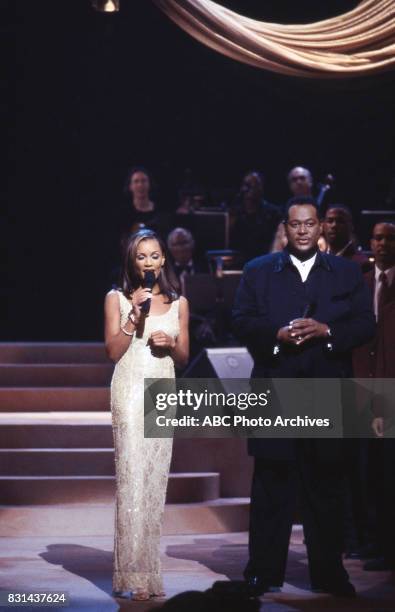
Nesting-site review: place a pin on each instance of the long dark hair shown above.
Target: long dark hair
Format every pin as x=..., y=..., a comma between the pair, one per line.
x=130, y=280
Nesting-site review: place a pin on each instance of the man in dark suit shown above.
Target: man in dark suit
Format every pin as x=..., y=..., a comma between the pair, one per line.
x=340, y=237
x=275, y=292
x=377, y=360
x=181, y=245
x=381, y=282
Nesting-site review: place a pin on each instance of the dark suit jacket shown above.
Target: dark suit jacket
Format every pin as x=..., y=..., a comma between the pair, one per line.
x=385, y=367
x=353, y=254
x=271, y=294
x=377, y=358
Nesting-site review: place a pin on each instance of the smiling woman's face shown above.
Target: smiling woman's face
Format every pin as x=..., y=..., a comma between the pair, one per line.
x=149, y=256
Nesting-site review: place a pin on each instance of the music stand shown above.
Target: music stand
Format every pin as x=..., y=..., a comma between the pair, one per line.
x=228, y=284
x=210, y=229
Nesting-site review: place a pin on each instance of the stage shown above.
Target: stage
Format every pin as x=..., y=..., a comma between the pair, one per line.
x=57, y=495
x=82, y=566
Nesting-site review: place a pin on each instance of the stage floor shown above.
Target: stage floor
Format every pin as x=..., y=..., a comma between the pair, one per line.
x=82, y=567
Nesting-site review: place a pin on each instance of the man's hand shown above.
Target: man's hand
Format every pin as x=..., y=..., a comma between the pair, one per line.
x=300, y=330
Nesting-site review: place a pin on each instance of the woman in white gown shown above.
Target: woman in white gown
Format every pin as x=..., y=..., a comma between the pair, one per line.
x=142, y=346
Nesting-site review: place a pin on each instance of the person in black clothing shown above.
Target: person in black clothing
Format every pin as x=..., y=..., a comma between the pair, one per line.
x=181, y=245
x=340, y=236
x=301, y=183
x=253, y=219
x=267, y=314
x=139, y=210
x=138, y=207
x=377, y=360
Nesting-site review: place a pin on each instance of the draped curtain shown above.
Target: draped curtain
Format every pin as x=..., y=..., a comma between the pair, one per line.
x=357, y=43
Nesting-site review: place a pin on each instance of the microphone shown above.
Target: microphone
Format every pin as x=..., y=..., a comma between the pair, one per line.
x=309, y=309
x=148, y=283
x=307, y=312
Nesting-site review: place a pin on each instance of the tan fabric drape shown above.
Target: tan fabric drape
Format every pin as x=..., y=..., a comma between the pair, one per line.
x=357, y=43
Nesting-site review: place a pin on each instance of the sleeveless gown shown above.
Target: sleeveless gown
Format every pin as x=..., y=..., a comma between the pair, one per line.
x=141, y=464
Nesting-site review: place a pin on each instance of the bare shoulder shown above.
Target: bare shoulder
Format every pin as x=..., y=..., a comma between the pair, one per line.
x=112, y=298
x=183, y=306
x=112, y=294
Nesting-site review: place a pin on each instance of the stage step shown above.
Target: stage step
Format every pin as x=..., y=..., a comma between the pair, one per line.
x=56, y=452
x=92, y=430
x=56, y=375
x=57, y=462
x=26, y=490
x=52, y=352
x=51, y=399
x=215, y=516
x=55, y=430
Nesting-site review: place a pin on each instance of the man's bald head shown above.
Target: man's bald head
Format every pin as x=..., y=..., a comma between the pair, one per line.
x=300, y=181
x=181, y=245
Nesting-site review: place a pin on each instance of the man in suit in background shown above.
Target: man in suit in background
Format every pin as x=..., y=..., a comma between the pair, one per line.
x=270, y=317
x=377, y=360
x=340, y=237
x=381, y=282
x=181, y=245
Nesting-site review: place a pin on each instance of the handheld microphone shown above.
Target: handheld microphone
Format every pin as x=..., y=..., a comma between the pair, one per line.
x=148, y=283
x=307, y=312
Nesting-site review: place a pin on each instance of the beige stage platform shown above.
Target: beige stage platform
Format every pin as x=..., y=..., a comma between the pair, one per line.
x=57, y=492
x=82, y=567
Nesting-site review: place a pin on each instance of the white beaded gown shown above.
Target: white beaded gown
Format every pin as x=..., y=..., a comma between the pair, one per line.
x=141, y=464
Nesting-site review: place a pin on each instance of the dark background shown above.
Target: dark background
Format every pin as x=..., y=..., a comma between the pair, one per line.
x=90, y=94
